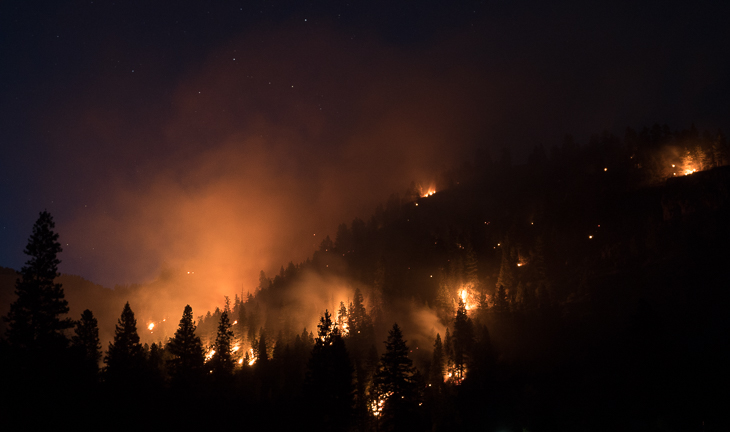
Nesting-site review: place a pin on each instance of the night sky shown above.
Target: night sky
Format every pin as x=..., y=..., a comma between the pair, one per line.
x=231, y=137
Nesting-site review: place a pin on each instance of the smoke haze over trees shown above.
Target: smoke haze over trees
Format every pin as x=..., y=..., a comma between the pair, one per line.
x=516, y=287
x=266, y=210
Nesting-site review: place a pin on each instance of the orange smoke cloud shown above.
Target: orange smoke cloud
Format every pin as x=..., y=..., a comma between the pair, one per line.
x=253, y=157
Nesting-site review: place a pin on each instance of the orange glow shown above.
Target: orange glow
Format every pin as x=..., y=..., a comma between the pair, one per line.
x=467, y=298
x=225, y=208
x=428, y=192
x=376, y=406
x=151, y=326
x=209, y=355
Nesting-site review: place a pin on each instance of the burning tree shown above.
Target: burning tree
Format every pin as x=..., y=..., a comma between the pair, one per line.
x=463, y=340
x=342, y=319
x=395, y=386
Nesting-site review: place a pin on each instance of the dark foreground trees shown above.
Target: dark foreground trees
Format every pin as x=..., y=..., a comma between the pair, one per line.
x=222, y=362
x=396, y=385
x=328, y=383
x=34, y=358
x=125, y=358
x=36, y=322
x=186, y=363
x=86, y=347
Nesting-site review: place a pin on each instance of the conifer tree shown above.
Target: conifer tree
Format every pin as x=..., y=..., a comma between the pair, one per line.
x=359, y=326
x=436, y=374
x=463, y=340
x=328, y=381
x=507, y=274
x=222, y=363
x=342, y=319
x=186, y=351
x=281, y=348
x=125, y=357
x=262, y=355
x=35, y=318
x=395, y=382
x=448, y=354
x=155, y=366
x=85, y=343
x=501, y=303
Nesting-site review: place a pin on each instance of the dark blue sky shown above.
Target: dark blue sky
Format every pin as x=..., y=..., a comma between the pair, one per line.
x=140, y=125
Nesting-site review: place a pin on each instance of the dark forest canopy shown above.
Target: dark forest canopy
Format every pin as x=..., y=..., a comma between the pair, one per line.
x=585, y=289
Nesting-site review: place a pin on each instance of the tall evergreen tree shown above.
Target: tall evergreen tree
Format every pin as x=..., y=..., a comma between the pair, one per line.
x=86, y=345
x=395, y=383
x=186, y=350
x=507, y=274
x=448, y=354
x=262, y=354
x=328, y=382
x=359, y=326
x=501, y=302
x=342, y=319
x=436, y=373
x=35, y=318
x=463, y=340
x=222, y=362
x=125, y=357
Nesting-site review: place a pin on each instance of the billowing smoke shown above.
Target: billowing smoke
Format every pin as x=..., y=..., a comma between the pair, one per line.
x=250, y=161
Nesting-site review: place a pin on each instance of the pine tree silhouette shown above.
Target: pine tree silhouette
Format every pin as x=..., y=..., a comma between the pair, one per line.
x=125, y=357
x=463, y=340
x=86, y=345
x=436, y=374
x=35, y=323
x=328, y=382
x=186, y=363
x=395, y=383
x=222, y=362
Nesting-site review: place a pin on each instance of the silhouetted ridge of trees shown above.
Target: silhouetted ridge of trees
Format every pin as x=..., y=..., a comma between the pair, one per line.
x=583, y=290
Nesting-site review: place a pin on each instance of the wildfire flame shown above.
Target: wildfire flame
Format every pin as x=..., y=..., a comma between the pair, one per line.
x=151, y=326
x=469, y=299
x=209, y=355
x=464, y=298
x=376, y=406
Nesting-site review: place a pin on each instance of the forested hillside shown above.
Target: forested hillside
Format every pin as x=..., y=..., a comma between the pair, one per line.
x=583, y=290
